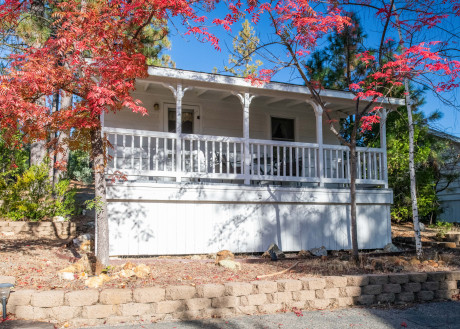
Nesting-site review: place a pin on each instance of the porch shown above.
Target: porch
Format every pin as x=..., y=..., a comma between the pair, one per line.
x=221, y=164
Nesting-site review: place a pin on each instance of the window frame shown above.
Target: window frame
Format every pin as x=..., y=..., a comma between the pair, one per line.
x=185, y=107
x=294, y=132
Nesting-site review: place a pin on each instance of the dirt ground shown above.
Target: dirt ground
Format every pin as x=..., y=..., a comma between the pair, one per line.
x=407, y=230
x=35, y=264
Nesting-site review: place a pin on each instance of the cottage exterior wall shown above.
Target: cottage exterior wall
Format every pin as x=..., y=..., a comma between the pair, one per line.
x=221, y=118
x=155, y=219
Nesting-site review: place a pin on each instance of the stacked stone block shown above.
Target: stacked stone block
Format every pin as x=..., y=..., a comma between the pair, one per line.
x=93, y=307
x=49, y=230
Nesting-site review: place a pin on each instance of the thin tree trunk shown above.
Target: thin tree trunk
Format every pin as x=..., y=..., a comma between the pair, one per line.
x=354, y=227
x=410, y=122
x=38, y=148
x=53, y=149
x=63, y=141
x=102, y=225
x=37, y=152
x=62, y=156
x=413, y=187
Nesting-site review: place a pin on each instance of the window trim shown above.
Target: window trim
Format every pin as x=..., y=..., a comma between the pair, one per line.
x=196, y=113
x=276, y=116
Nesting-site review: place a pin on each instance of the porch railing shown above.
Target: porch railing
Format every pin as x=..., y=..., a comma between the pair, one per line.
x=154, y=154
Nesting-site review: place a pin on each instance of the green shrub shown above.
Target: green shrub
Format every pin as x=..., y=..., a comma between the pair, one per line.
x=79, y=167
x=31, y=196
x=443, y=228
x=13, y=159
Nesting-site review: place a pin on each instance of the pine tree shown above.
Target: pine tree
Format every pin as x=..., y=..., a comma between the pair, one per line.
x=244, y=45
x=337, y=66
x=155, y=40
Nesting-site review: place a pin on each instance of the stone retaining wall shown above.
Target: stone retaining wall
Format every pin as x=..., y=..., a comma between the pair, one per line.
x=50, y=230
x=111, y=306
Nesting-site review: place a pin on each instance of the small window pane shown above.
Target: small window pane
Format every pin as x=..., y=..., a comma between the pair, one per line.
x=282, y=129
x=187, y=121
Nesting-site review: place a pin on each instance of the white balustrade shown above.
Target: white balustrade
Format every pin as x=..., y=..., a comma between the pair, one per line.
x=140, y=152
x=153, y=154
x=212, y=157
x=283, y=161
x=336, y=161
x=370, y=166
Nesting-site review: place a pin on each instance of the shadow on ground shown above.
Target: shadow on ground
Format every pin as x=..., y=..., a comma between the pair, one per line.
x=443, y=315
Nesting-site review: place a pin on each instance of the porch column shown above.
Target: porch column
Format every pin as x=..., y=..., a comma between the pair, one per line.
x=319, y=140
x=383, y=144
x=245, y=100
x=178, y=94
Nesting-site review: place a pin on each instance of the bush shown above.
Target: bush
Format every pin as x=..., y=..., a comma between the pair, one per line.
x=13, y=159
x=80, y=167
x=443, y=228
x=31, y=196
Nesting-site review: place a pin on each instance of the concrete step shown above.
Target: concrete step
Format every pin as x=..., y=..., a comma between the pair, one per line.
x=444, y=244
x=404, y=239
x=453, y=237
x=410, y=241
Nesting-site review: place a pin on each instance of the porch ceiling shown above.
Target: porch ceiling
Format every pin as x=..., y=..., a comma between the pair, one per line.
x=218, y=87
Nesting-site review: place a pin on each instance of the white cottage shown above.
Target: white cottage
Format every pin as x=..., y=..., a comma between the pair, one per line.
x=221, y=164
x=449, y=198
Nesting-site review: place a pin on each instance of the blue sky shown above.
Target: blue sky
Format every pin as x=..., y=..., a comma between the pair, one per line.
x=190, y=54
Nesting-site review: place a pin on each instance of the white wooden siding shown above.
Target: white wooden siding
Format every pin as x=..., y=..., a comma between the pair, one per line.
x=450, y=202
x=221, y=118
x=156, y=219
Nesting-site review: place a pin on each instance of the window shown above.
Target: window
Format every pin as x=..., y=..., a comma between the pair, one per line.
x=187, y=121
x=282, y=129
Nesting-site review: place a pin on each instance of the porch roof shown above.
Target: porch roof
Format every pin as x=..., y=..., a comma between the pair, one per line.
x=340, y=101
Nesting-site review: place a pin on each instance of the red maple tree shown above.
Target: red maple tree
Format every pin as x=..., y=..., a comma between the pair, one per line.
x=95, y=54
x=299, y=25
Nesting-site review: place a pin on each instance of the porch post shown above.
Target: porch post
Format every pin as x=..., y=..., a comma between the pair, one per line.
x=245, y=100
x=319, y=141
x=383, y=144
x=178, y=94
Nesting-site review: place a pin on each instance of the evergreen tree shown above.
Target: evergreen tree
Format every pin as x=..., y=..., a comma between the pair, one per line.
x=155, y=40
x=433, y=156
x=336, y=66
x=244, y=45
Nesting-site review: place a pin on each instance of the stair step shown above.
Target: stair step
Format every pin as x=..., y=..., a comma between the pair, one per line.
x=453, y=237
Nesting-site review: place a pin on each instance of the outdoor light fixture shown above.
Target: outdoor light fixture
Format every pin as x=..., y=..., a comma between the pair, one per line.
x=4, y=294
x=156, y=106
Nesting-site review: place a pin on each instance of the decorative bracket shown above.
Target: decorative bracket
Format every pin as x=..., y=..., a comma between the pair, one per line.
x=178, y=91
x=245, y=99
x=316, y=107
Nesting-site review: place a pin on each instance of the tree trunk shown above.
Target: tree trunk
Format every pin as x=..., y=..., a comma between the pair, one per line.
x=102, y=225
x=413, y=187
x=38, y=148
x=37, y=152
x=62, y=156
x=354, y=227
x=63, y=141
x=53, y=149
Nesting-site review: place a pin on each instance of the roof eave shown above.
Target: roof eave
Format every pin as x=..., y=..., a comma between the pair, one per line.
x=244, y=84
